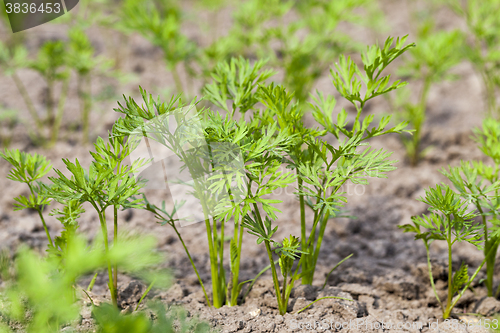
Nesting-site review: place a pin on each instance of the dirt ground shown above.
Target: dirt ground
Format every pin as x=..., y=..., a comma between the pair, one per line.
x=387, y=275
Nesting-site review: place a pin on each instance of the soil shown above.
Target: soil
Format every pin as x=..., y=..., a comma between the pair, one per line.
x=387, y=276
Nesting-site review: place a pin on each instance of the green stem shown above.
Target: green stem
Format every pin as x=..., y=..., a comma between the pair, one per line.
x=29, y=103
x=87, y=105
x=422, y=104
x=490, y=264
x=302, y=212
x=334, y=267
x=92, y=282
x=448, y=312
x=218, y=298
x=192, y=263
x=213, y=266
x=284, y=290
x=319, y=242
x=50, y=120
x=60, y=111
x=39, y=210
x=220, y=262
x=450, y=268
x=115, y=243
x=45, y=226
x=177, y=79
x=145, y=294
x=235, y=275
x=104, y=229
x=275, y=278
x=271, y=261
x=431, y=278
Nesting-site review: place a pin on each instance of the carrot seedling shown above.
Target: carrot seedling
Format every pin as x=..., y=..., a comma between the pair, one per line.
x=479, y=183
x=449, y=220
x=82, y=59
x=160, y=23
x=28, y=169
x=430, y=62
x=481, y=48
x=108, y=182
x=322, y=168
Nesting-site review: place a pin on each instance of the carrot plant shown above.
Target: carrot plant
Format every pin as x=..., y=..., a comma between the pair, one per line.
x=8, y=121
x=428, y=63
x=235, y=90
x=108, y=182
x=43, y=297
x=82, y=59
x=322, y=168
x=11, y=61
x=29, y=169
x=160, y=23
x=51, y=64
x=479, y=183
x=314, y=165
x=488, y=139
x=303, y=48
x=165, y=217
x=451, y=220
x=482, y=47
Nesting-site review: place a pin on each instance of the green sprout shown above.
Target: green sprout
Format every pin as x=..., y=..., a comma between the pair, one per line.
x=482, y=50
x=450, y=220
x=429, y=63
x=160, y=23
x=108, y=182
x=28, y=169
x=8, y=120
x=81, y=58
x=480, y=183
x=51, y=64
x=43, y=298
x=322, y=168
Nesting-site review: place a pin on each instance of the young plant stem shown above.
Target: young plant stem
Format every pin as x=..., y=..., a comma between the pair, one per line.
x=321, y=234
x=334, y=267
x=39, y=210
x=177, y=78
x=60, y=111
x=83, y=88
x=145, y=294
x=115, y=242
x=104, y=230
x=275, y=278
x=302, y=214
x=213, y=266
x=192, y=263
x=45, y=227
x=92, y=282
x=233, y=290
x=422, y=104
x=217, y=294
x=222, y=273
x=50, y=120
x=308, y=269
x=449, y=308
x=490, y=260
x=29, y=104
x=450, y=268
x=282, y=307
x=431, y=278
